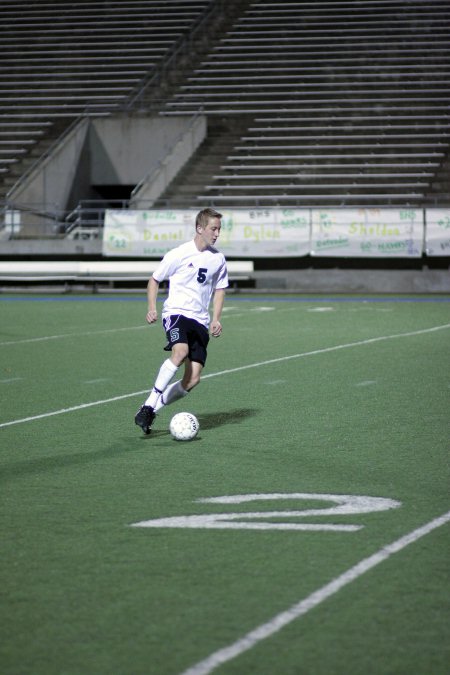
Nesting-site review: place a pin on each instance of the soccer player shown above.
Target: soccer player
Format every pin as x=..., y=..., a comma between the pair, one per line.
x=197, y=274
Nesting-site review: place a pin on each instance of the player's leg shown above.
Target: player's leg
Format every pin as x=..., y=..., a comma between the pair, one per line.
x=193, y=354
x=198, y=338
x=192, y=374
x=188, y=343
x=168, y=369
x=177, y=345
x=146, y=413
x=166, y=373
x=179, y=389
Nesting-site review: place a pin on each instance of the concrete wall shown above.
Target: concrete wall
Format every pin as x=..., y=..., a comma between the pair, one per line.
x=43, y=194
x=120, y=150
x=125, y=149
x=423, y=280
x=429, y=276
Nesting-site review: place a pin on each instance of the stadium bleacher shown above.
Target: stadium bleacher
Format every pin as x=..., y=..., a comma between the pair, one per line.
x=337, y=103
x=346, y=103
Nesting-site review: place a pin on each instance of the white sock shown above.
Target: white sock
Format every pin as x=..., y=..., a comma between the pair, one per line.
x=173, y=392
x=165, y=374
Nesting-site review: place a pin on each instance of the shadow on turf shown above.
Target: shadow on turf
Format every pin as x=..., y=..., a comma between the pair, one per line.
x=220, y=419
x=56, y=462
x=213, y=420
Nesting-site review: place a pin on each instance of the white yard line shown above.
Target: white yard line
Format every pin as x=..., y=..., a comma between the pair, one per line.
x=61, y=336
x=229, y=313
x=71, y=409
x=280, y=359
x=281, y=620
x=45, y=338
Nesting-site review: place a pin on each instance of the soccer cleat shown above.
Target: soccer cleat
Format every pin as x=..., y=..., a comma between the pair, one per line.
x=144, y=418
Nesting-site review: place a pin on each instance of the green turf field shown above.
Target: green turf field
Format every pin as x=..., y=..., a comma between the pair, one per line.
x=308, y=408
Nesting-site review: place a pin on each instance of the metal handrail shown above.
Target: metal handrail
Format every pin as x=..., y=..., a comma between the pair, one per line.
x=180, y=46
x=97, y=206
x=170, y=150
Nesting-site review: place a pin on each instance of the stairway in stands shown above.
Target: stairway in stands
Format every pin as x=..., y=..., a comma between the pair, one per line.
x=62, y=59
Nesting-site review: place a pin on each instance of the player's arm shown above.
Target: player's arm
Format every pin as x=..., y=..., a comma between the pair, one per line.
x=218, y=300
x=152, y=294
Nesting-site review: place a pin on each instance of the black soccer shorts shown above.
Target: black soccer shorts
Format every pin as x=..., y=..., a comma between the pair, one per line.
x=180, y=328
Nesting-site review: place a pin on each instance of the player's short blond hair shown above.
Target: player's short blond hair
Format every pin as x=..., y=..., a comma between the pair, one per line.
x=204, y=216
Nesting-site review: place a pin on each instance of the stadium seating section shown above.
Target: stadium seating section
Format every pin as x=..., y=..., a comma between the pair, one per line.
x=308, y=103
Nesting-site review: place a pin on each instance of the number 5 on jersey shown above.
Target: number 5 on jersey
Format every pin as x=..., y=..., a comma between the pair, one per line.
x=201, y=276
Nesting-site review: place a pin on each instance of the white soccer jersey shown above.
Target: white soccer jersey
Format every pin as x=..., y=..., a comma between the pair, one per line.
x=193, y=277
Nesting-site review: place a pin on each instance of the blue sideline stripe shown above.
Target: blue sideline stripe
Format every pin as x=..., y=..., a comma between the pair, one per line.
x=257, y=298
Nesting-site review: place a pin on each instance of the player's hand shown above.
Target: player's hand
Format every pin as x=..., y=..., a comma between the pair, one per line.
x=152, y=316
x=216, y=328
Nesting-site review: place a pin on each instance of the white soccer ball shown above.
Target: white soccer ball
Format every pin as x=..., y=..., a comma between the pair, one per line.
x=184, y=426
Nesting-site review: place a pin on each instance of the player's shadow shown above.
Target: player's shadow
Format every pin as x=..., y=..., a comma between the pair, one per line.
x=54, y=463
x=219, y=419
x=210, y=421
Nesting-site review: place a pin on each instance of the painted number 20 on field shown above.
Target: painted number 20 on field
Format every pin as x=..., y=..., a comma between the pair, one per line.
x=339, y=505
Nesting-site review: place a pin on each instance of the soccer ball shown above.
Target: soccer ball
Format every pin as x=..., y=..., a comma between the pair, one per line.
x=184, y=426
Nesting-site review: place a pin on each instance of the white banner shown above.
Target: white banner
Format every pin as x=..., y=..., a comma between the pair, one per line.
x=281, y=233
x=145, y=233
x=265, y=232
x=367, y=233
x=437, y=237
x=245, y=233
